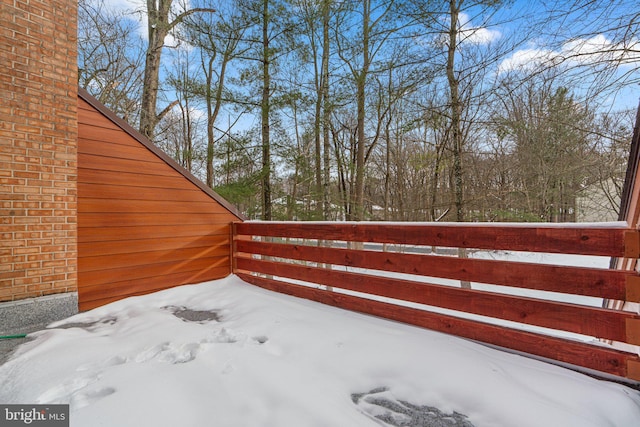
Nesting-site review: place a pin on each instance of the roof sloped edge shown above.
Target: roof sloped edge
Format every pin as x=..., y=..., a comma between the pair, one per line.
x=126, y=127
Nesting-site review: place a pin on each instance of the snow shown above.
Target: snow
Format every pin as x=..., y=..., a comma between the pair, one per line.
x=226, y=353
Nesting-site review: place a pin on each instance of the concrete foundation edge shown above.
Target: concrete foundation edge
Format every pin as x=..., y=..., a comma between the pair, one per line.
x=32, y=314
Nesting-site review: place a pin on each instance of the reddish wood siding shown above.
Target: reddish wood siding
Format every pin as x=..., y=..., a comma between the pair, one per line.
x=143, y=224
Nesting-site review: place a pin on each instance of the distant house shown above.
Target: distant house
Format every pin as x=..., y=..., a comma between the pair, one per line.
x=599, y=202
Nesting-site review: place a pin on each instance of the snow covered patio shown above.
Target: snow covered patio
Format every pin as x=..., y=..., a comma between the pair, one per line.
x=226, y=353
x=97, y=211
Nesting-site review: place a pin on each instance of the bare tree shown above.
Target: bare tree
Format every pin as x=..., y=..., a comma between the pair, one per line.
x=110, y=57
x=163, y=17
x=178, y=128
x=316, y=32
x=366, y=52
x=554, y=153
x=596, y=41
x=218, y=38
x=612, y=135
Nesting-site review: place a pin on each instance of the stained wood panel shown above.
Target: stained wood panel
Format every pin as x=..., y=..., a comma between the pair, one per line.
x=122, y=192
x=144, y=224
x=98, y=295
x=121, y=165
x=187, y=206
x=108, y=135
x=104, y=149
x=88, y=114
x=122, y=260
x=135, y=246
x=132, y=179
x=100, y=234
x=151, y=269
x=554, y=278
x=568, y=240
x=138, y=219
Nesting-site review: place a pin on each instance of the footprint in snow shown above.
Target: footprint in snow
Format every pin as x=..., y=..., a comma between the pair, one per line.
x=168, y=352
x=380, y=404
x=87, y=397
x=196, y=316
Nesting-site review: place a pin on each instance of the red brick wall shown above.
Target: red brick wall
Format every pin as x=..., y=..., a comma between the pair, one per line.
x=38, y=148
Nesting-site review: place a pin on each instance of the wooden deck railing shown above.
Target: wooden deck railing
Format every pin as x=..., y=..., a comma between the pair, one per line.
x=391, y=271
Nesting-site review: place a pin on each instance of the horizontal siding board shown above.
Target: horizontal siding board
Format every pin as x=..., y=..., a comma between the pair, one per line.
x=93, y=249
x=84, y=105
x=89, y=161
x=601, y=359
x=117, y=151
x=91, y=119
x=133, y=219
x=109, y=191
x=88, y=117
x=95, y=263
x=90, y=133
x=569, y=240
x=101, y=277
x=167, y=207
x=134, y=180
x=572, y=280
x=106, y=234
x=86, y=305
x=596, y=322
x=97, y=295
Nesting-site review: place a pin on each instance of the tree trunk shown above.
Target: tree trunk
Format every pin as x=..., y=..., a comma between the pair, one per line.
x=210, y=123
x=158, y=28
x=326, y=109
x=212, y=113
x=456, y=110
x=456, y=113
x=265, y=107
x=361, y=81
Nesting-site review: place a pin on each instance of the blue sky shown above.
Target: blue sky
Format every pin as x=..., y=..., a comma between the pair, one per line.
x=576, y=40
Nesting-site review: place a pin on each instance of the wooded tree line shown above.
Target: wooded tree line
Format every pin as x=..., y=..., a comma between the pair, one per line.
x=399, y=110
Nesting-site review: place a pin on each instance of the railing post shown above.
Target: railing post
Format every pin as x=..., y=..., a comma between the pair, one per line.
x=632, y=328
x=632, y=244
x=632, y=289
x=233, y=246
x=633, y=370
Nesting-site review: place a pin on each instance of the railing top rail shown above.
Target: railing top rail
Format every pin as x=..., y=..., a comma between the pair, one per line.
x=613, y=239
x=561, y=225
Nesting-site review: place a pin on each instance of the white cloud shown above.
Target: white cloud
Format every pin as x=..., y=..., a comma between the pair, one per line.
x=467, y=32
x=526, y=60
x=136, y=9
x=126, y=6
x=476, y=35
x=582, y=51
